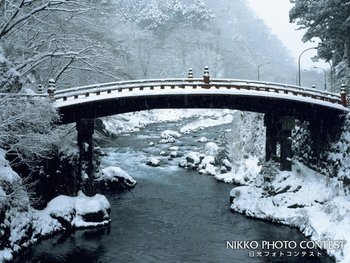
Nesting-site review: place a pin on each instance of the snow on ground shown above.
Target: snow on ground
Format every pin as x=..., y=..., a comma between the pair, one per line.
x=207, y=123
x=302, y=198
x=134, y=121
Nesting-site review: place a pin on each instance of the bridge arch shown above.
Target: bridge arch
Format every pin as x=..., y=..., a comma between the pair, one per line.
x=127, y=96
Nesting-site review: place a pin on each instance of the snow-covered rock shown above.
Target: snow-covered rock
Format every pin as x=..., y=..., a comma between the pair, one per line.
x=169, y=136
x=202, y=139
x=241, y=174
x=115, y=177
x=197, y=161
x=173, y=148
x=80, y=211
x=173, y=154
x=153, y=161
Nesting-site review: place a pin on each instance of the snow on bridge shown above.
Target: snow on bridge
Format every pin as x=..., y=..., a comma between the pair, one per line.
x=78, y=96
x=221, y=93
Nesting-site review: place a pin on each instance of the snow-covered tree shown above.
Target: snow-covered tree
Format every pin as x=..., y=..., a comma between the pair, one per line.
x=45, y=40
x=26, y=130
x=163, y=16
x=329, y=21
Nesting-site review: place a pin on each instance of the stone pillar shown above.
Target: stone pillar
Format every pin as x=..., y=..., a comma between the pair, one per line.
x=287, y=125
x=271, y=136
x=85, y=129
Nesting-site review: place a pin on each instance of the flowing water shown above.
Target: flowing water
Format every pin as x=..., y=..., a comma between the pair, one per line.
x=172, y=215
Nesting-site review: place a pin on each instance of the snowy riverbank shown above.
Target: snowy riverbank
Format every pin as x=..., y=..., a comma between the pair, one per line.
x=22, y=225
x=315, y=204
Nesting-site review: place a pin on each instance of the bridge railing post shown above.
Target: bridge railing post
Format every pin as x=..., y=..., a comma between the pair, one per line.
x=51, y=88
x=190, y=75
x=343, y=95
x=206, y=77
x=40, y=88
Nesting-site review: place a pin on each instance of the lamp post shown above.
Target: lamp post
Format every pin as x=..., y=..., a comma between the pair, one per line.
x=299, y=82
x=325, y=77
x=266, y=62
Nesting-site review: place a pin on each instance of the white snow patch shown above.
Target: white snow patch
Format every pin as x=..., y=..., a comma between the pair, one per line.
x=206, y=123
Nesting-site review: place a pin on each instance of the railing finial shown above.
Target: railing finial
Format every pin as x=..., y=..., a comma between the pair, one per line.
x=40, y=88
x=343, y=95
x=190, y=74
x=51, y=87
x=206, y=77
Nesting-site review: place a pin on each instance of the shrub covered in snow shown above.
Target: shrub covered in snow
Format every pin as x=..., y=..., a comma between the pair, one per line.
x=302, y=143
x=9, y=77
x=241, y=149
x=339, y=156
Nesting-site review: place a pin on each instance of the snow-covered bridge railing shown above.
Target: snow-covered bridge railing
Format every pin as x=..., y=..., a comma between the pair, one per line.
x=250, y=87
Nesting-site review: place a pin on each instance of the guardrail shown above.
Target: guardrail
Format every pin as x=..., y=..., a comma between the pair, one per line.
x=234, y=84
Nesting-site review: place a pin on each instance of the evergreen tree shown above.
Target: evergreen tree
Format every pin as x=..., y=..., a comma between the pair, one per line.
x=328, y=20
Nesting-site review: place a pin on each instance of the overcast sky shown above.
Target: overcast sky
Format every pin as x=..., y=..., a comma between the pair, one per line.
x=275, y=14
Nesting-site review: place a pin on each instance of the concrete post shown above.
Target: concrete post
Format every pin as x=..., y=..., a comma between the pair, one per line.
x=85, y=129
x=287, y=125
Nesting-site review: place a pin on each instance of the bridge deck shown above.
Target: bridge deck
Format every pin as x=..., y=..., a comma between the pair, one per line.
x=124, y=89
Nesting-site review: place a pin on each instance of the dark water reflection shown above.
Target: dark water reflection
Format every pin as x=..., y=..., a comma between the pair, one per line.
x=172, y=215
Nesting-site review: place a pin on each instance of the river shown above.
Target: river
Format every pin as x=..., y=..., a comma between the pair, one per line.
x=172, y=215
